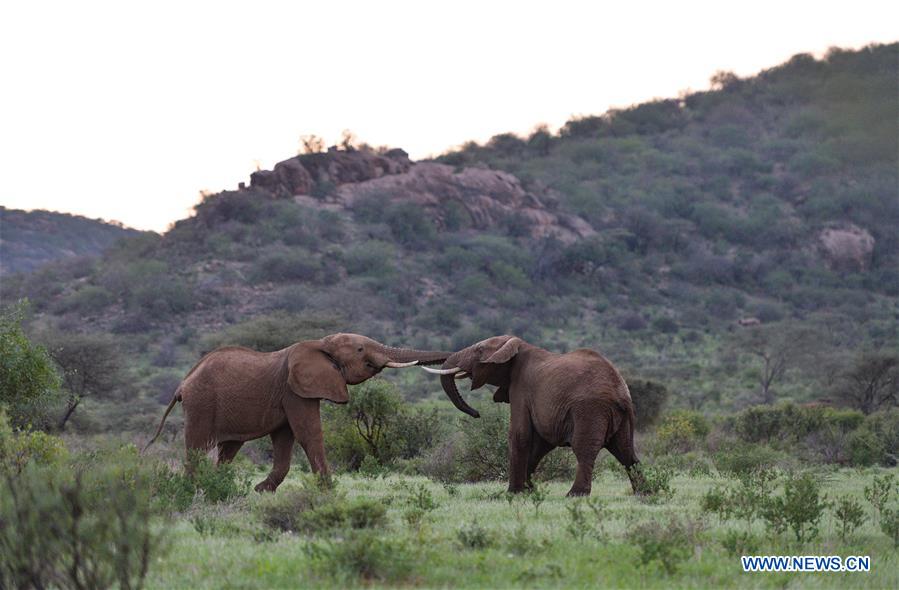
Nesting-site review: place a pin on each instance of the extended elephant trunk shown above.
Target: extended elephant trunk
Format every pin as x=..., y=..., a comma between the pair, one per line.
x=449, y=386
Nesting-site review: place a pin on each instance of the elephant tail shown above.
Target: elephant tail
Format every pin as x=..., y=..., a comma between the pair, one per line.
x=175, y=399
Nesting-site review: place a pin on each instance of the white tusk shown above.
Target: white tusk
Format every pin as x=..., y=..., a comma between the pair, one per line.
x=452, y=371
x=462, y=375
x=394, y=365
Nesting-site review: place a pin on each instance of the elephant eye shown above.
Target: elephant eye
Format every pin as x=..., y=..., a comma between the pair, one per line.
x=360, y=349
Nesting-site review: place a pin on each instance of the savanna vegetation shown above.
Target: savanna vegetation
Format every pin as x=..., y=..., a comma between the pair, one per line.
x=775, y=437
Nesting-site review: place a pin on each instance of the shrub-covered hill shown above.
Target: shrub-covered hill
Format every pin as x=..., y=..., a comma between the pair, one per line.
x=648, y=233
x=29, y=239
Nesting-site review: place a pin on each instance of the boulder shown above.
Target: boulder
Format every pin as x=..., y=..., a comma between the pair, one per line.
x=846, y=248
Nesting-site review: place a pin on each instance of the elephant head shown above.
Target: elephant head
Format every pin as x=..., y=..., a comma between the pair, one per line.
x=486, y=362
x=323, y=368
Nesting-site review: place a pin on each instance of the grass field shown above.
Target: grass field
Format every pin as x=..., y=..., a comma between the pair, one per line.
x=474, y=536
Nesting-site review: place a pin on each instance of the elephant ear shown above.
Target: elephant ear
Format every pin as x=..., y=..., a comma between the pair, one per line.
x=312, y=374
x=506, y=352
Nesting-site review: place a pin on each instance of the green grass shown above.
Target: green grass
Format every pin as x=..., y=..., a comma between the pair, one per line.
x=240, y=552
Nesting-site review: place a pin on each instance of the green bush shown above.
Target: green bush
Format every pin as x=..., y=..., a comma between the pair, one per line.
x=213, y=483
x=681, y=431
x=483, y=453
x=799, y=509
x=29, y=383
x=371, y=258
x=19, y=449
x=880, y=492
x=286, y=265
x=474, y=536
x=747, y=499
x=365, y=555
x=670, y=544
x=270, y=332
x=656, y=483
x=889, y=524
x=738, y=543
x=87, y=300
x=284, y=510
x=738, y=460
x=649, y=398
x=84, y=525
x=581, y=524
x=849, y=515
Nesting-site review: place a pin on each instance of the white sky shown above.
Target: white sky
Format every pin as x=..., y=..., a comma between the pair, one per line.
x=126, y=111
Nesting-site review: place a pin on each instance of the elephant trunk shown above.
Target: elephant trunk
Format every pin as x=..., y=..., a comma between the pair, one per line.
x=424, y=357
x=449, y=386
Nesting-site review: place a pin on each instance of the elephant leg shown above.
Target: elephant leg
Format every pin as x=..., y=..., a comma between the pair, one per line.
x=199, y=438
x=588, y=439
x=622, y=448
x=282, y=446
x=228, y=450
x=306, y=424
x=539, y=449
x=519, y=452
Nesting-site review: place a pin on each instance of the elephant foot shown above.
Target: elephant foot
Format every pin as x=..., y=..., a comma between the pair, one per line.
x=578, y=492
x=266, y=486
x=516, y=489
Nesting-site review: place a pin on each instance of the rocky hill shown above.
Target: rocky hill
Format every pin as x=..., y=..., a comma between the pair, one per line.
x=656, y=234
x=30, y=239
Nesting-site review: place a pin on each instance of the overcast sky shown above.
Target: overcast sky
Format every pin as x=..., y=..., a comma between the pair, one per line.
x=127, y=111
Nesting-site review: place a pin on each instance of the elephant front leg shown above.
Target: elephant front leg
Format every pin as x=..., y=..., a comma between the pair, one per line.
x=305, y=422
x=282, y=445
x=519, y=452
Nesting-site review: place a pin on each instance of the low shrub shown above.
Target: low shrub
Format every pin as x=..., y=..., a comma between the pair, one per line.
x=589, y=522
x=799, y=509
x=889, y=524
x=880, y=491
x=681, y=431
x=656, y=483
x=176, y=490
x=737, y=543
x=19, y=448
x=849, y=515
x=474, y=536
x=84, y=524
x=670, y=544
x=746, y=500
x=363, y=554
x=741, y=460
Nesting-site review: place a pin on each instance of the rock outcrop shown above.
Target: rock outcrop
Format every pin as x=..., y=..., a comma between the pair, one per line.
x=300, y=175
x=846, y=248
x=489, y=198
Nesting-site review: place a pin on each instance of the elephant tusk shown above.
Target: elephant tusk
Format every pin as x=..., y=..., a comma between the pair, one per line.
x=462, y=375
x=394, y=365
x=452, y=371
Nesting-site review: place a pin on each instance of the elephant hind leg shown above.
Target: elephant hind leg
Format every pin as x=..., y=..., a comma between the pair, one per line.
x=282, y=446
x=228, y=450
x=588, y=439
x=199, y=438
x=622, y=448
x=539, y=449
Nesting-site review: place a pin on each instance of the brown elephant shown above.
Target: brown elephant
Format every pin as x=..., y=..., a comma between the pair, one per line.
x=576, y=399
x=236, y=394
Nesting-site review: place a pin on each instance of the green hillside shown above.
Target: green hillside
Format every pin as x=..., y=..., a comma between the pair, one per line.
x=30, y=239
x=772, y=200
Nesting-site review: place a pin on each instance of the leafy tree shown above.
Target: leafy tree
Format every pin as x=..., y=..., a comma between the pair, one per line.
x=873, y=383
x=776, y=349
x=29, y=382
x=91, y=366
